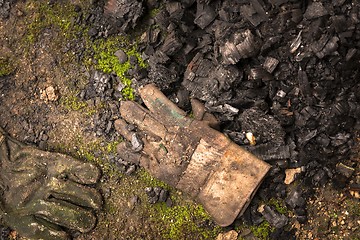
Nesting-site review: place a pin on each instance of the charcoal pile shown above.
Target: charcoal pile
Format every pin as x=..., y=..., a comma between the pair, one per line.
x=280, y=75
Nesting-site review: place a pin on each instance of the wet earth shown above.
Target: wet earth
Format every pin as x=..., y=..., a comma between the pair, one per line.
x=284, y=71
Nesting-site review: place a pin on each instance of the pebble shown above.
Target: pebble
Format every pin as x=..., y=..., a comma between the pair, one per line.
x=93, y=32
x=290, y=174
x=121, y=55
x=49, y=94
x=231, y=235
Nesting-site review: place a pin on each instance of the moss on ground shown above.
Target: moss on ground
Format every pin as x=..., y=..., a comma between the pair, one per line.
x=72, y=102
x=279, y=205
x=106, y=61
x=263, y=230
x=353, y=207
x=59, y=15
x=184, y=222
x=7, y=66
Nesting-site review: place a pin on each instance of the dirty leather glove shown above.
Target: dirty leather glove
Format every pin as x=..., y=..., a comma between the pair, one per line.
x=188, y=154
x=43, y=194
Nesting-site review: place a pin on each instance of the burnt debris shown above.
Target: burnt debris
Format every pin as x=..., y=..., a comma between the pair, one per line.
x=280, y=75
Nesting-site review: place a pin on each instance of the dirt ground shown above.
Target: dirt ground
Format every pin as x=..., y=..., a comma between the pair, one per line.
x=40, y=104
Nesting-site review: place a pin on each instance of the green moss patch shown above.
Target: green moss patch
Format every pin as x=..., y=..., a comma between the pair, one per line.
x=184, y=222
x=7, y=66
x=59, y=15
x=279, y=205
x=263, y=230
x=71, y=102
x=106, y=61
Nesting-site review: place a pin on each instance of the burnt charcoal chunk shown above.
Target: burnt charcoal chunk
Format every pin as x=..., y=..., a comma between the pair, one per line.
x=338, y=2
x=227, y=112
x=205, y=14
x=252, y=216
x=330, y=47
x=315, y=10
x=126, y=11
x=319, y=178
x=172, y=44
x=344, y=170
x=158, y=57
x=4, y=232
x=340, y=139
x=187, y=3
x=163, y=76
x=198, y=67
x=339, y=23
x=275, y=219
x=306, y=136
x=230, y=11
x=269, y=43
x=175, y=10
x=237, y=137
x=270, y=151
x=270, y=64
x=259, y=73
x=253, y=16
x=152, y=196
x=162, y=19
x=323, y=140
x=226, y=76
x=304, y=85
x=242, y=44
x=205, y=81
x=163, y=195
x=295, y=199
x=350, y=54
x=264, y=127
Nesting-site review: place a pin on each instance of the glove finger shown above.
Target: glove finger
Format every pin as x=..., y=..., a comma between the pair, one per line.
x=30, y=227
x=84, y=173
x=60, y=164
x=198, y=109
x=122, y=127
x=74, y=193
x=127, y=154
x=8, y=146
x=135, y=114
x=75, y=170
x=64, y=214
x=200, y=114
x=162, y=107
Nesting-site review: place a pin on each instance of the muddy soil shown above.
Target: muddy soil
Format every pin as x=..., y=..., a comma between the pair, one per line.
x=40, y=104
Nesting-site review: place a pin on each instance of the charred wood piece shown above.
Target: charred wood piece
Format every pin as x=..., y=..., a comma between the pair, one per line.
x=241, y=45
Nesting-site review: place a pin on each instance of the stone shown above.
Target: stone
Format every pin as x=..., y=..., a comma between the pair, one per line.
x=290, y=174
x=49, y=94
x=121, y=55
x=231, y=235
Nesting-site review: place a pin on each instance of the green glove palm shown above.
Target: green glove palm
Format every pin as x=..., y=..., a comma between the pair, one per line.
x=43, y=194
